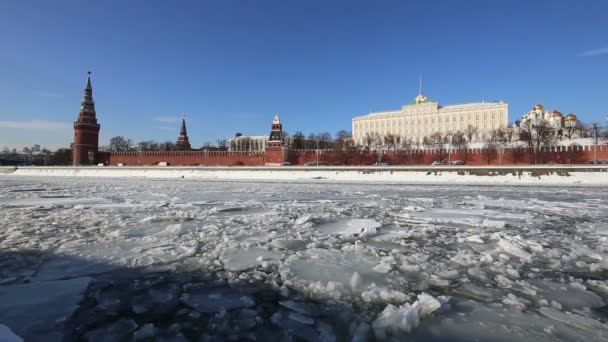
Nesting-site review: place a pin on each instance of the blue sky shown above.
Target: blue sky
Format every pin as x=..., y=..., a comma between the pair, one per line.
x=232, y=65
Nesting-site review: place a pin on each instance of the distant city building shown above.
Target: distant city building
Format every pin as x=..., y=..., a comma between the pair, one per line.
x=557, y=121
x=183, y=143
x=36, y=148
x=422, y=117
x=250, y=143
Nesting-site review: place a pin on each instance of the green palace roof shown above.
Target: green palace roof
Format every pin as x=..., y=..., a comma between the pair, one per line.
x=426, y=100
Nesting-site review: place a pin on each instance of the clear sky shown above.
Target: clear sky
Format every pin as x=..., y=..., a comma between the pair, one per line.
x=231, y=65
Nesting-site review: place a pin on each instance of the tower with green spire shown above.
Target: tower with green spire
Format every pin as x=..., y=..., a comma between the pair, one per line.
x=86, y=129
x=183, y=143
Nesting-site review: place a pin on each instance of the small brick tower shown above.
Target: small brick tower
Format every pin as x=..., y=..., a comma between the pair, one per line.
x=86, y=129
x=276, y=153
x=276, y=133
x=183, y=144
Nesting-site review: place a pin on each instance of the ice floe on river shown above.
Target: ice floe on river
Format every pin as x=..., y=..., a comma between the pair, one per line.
x=101, y=259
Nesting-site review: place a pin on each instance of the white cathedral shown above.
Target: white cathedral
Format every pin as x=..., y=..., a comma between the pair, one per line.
x=560, y=123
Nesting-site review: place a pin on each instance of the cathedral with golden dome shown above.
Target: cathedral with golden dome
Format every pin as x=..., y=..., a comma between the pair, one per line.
x=562, y=125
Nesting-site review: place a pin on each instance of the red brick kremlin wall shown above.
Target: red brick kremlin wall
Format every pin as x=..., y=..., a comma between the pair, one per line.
x=183, y=158
x=559, y=155
x=475, y=156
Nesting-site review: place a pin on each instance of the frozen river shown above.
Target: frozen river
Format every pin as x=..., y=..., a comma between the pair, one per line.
x=120, y=260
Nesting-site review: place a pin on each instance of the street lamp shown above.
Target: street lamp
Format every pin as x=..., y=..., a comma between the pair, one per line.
x=595, y=129
x=217, y=151
x=450, y=147
x=139, y=154
x=317, y=152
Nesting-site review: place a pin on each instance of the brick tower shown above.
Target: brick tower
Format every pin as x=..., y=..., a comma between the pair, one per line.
x=183, y=144
x=276, y=133
x=86, y=129
x=276, y=153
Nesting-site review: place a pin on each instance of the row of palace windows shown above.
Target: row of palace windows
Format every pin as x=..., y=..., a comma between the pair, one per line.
x=398, y=123
x=427, y=129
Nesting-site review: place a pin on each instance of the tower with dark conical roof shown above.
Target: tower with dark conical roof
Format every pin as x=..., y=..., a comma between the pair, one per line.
x=276, y=153
x=183, y=143
x=86, y=129
x=276, y=133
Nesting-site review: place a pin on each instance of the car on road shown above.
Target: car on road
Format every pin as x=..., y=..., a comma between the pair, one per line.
x=457, y=162
x=439, y=162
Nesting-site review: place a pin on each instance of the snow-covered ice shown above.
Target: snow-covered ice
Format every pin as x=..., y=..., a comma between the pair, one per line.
x=135, y=259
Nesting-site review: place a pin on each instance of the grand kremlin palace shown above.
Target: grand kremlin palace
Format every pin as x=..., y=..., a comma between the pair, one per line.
x=423, y=117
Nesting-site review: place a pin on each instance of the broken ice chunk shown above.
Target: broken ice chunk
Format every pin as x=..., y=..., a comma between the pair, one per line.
x=301, y=318
x=294, y=245
x=240, y=259
x=360, y=227
x=213, y=300
x=7, y=335
x=383, y=295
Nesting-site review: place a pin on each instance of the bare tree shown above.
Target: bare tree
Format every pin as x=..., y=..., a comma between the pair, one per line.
x=536, y=135
x=489, y=151
x=437, y=141
x=372, y=140
x=406, y=143
x=62, y=156
x=325, y=140
x=459, y=141
x=145, y=145
x=346, y=151
x=500, y=137
x=222, y=145
x=342, y=134
x=118, y=144
x=311, y=141
x=391, y=141
x=167, y=146
x=571, y=130
x=470, y=132
x=298, y=141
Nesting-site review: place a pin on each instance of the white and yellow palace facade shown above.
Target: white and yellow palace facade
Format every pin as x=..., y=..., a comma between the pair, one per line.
x=423, y=117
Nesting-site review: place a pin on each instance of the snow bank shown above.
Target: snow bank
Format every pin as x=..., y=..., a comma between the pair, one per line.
x=425, y=175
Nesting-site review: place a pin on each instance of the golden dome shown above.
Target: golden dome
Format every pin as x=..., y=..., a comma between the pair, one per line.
x=539, y=106
x=570, y=117
x=557, y=114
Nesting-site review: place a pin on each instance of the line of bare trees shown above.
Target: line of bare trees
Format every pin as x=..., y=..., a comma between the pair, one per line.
x=122, y=144
x=531, y=138
x=324, y=140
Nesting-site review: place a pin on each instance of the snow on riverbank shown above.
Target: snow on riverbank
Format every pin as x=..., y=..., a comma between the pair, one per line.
x=121, y=259
x=559, y=175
